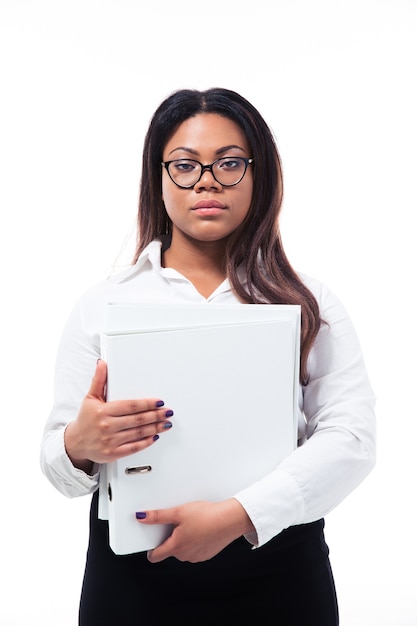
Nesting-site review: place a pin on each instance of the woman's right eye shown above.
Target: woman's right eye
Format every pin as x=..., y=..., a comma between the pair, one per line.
x=184, y=166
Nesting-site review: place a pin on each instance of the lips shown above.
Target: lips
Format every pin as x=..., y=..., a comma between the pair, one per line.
x=208, y=204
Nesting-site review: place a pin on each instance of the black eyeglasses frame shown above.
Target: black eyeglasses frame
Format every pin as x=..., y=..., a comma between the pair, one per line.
x=209, y=167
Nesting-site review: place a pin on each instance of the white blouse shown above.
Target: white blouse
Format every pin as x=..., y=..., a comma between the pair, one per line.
x=337, y=427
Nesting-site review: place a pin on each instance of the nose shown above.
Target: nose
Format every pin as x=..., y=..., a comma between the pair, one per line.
x=207, y=180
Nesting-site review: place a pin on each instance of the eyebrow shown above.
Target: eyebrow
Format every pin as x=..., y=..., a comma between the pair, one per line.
x=218, y=151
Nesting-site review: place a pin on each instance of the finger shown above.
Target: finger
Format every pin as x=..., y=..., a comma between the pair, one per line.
x=117, y=408
x=127, y=449
x=159, y=554
x=130, y=436
x=163, y=551
x=98, y=383
x=144, y=424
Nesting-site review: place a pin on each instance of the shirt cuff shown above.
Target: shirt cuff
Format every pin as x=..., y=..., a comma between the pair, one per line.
x=273, y=504
x=57, y=466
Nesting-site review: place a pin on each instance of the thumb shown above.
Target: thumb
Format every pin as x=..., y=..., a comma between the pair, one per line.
x=158, y=516
x=98, y=383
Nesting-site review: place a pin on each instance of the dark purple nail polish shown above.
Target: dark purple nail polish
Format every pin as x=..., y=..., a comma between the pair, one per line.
x=169, y=413
x=160, y=403
x=155, y=437
x=140, y=515
x=167, y=425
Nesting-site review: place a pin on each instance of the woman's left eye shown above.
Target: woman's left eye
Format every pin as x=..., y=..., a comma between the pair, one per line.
x=229, y=164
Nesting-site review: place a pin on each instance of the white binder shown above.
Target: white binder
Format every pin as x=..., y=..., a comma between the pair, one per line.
x=230, y=374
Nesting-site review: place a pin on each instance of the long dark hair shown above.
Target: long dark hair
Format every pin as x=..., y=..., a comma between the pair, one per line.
x=257, y=241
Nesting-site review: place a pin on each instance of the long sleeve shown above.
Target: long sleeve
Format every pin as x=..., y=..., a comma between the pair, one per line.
x=338, y=450
x=76, y=359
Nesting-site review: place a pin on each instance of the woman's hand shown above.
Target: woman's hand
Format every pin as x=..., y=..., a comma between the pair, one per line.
x=106, y=431
x=201, y=529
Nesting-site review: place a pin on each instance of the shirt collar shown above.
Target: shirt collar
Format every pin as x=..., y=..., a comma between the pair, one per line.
x=152, y=255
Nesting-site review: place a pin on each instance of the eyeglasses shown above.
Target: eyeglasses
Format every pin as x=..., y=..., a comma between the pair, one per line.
x=228, y=171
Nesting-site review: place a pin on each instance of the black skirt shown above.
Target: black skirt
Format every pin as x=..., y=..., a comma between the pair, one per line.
x=286, y=582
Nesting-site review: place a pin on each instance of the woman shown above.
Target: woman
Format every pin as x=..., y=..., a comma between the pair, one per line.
x=208, y=230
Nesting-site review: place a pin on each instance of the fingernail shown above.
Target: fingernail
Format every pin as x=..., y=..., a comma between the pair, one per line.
x=167, y=425
x=169, y=413
x=155, y=437
x=140, y=515
x=160, y=403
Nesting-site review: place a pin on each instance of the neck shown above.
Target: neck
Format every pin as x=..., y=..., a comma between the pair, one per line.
x=201, y=262
x=197, y=255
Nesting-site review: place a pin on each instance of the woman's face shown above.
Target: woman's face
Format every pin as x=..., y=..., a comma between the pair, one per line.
x=208, y=211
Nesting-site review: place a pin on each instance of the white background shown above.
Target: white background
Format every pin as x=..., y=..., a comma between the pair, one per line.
x=79, y=81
